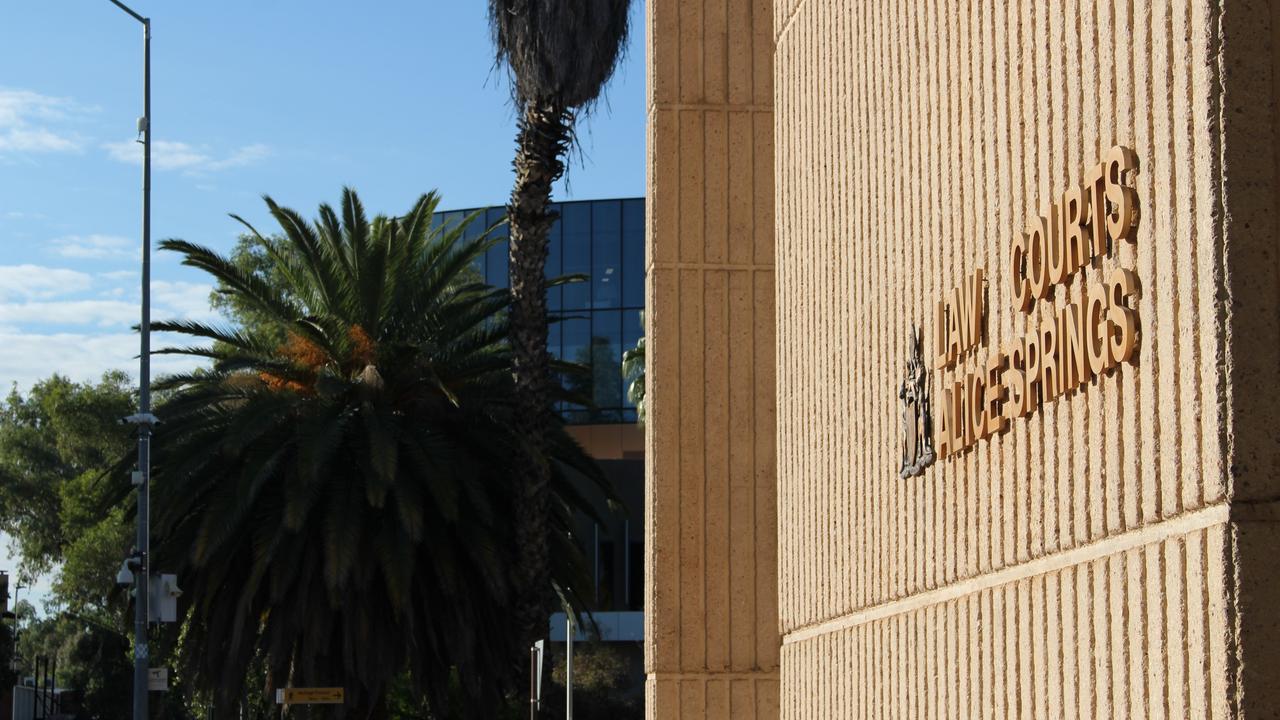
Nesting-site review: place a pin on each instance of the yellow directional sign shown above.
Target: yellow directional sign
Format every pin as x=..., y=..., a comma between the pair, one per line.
x=310, y=696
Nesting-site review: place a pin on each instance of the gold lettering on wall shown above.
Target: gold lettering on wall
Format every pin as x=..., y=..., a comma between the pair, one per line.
x=960, y=320
x=1068, y=347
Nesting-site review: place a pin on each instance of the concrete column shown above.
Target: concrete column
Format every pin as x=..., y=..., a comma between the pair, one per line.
x=711, y=635
x=1248, y=80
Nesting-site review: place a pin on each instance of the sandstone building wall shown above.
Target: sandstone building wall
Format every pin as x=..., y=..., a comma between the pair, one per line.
x=1113, y=554
x=711, y=632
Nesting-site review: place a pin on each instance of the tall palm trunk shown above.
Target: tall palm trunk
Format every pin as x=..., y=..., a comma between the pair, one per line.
x=544, y=132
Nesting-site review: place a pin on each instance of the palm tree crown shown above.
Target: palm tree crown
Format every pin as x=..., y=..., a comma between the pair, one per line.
x=338, y=504
x=559, y=51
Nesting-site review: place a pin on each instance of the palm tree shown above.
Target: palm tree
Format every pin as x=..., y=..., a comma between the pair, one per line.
x=338, y=506
x=560, y=54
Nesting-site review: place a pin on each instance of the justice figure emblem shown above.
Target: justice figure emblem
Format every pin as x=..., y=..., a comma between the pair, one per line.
x=917, y=418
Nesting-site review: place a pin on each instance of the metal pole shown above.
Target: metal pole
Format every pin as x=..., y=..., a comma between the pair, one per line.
x=533, y=683
x=568, y=666
x=142, y=579
x=142, y=575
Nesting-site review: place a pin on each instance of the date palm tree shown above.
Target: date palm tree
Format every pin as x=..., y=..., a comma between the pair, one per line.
x=560, y=54
x=339, y=505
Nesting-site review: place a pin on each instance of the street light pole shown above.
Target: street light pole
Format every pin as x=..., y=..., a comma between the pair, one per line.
x=144, y=420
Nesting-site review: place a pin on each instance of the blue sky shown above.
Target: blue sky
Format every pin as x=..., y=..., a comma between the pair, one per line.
x=290, y=98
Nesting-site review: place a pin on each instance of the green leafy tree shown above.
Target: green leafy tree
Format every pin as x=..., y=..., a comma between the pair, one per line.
x=253, y=256
x=91, y=658
x=339, y=505
x=7, y=676
x=600, y=677
x=56, y=441
x=560, y=54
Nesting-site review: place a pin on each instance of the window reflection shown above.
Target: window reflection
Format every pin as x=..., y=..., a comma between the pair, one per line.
x=606, y=254
x=496, y=257
x=602, y=240
x=631, y=334
x=554, y=267
x=575, y=253
x=576, y=342
x=606, y=336
x=633, y=253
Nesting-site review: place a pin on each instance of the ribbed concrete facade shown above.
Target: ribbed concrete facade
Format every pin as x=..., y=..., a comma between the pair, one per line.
x=821, y=172
x=711, y=630
x=1113, y=554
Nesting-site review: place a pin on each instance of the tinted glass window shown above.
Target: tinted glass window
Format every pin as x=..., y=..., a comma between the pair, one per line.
x=606, y=254
x=554, y=267
x=575, y=333
x=605, y=572
x=636, y=568
x=631, y=333
x=575, y=249
x=554, y=333
x=633, y=253
x=473, y=228
x=606, y=364
x=602, y=241
x=553, y=340
x=451, y=219
x=496, y=258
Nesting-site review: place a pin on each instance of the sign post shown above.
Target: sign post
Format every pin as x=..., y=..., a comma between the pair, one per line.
x=568, y=666
x=535, y=678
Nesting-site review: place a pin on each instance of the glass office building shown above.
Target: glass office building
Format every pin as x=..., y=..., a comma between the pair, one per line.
x=602, y=240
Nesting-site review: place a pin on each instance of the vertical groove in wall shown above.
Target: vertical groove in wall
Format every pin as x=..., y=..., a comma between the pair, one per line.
x=913, y=142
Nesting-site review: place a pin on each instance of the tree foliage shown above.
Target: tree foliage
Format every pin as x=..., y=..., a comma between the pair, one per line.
x=92, y=658
x=561, y=52
x=339, y=503
x=56, y=442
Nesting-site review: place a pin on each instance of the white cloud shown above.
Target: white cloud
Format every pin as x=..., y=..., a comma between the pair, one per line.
x=32, y=282
x=27, y=140
x=247, y=155
x=29, y=120
x=70, y=312
x=114, y=307
x=182, y=301
x=192, y=159
x=96, y=247
x=29, y=357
